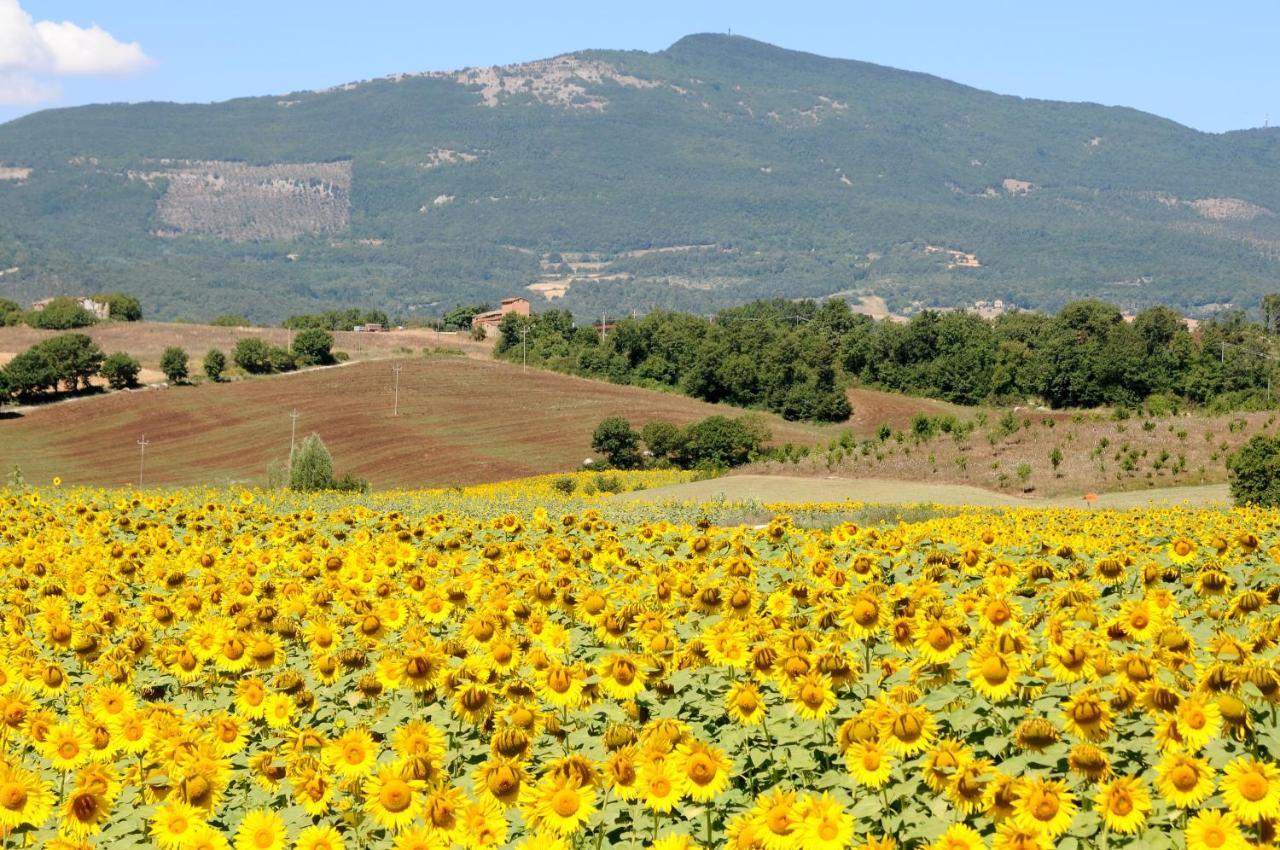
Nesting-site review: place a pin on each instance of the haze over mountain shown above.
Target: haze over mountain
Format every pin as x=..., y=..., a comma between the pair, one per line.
x=714, y=172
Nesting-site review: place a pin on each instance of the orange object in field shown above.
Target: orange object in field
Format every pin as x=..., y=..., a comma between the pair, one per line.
x=1091, y=497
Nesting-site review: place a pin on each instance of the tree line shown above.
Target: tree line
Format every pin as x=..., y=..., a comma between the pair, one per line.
x=68, y=362
x=796, y=358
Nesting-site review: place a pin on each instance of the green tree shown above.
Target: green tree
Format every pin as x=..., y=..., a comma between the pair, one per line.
x=663, y=439
x=1055, y=458
x=60, y=314
x=75, y=358
x=311, y=467
x=281, y=359
x=721, y=442
x=121, y=306
x=252, y=355
x=215, y=363
x=10, y=313
x=120, y=370
x=313, y=347
x=618, y=442
x=1255, y=472
x=173, y=362
x=30, y=373
x=231, y=320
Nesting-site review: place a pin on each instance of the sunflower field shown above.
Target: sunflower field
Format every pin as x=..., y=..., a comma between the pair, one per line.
x=201, y=670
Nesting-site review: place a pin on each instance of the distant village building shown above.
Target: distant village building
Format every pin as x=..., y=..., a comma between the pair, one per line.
x=100, y=310
x=490, y=321
x=371, y=328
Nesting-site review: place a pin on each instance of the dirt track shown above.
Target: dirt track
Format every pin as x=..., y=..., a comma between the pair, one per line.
x=780, y=488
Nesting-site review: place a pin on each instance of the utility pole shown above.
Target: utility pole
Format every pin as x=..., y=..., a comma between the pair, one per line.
x=524, y=348
x=142, y=457
x=602, y=323
x=395, y=411
x=293, y=432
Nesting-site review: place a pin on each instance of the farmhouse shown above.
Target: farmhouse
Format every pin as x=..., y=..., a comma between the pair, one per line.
x=489, y=321
x=100, y=310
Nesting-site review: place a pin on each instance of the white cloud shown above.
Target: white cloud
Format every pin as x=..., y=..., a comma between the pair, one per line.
x=20, y=89
x=31, y=51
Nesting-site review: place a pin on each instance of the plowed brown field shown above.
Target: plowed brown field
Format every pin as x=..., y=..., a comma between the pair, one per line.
x=462, y=421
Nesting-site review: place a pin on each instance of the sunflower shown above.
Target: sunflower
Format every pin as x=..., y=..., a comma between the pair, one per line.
x=967, y=789
x=278, y=710
x=560, y=686
x=261, y=830
x=1181, y=550
x=1011, y=836
x=84, y=812
x=1199, y=721
x=1123, y=804
x=67, y=746
x=389, y=799
x=909, y=730
x=1045, y=805
x=1184, y=780
x=774, y=819
x=205, y=837
x=484, y=825
x=993, y=675
x=744, y=704
x=942, y=761
x=824, y=824
x=659, y=788
x=1088, y=716
x=959, y=836
x=1214, y=830
x=1089, y=761
x=812, y=696
x=1251, y=790
x=174, y=824
x=560, y=806
x=319, y=839
x=869, y=763
x=25, y=798
x=622, y=773
x=702, y=771
x=442, y=810
x=621, y=676
x=352, y=754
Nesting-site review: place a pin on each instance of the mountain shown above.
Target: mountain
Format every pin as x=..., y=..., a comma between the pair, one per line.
x=714, y=172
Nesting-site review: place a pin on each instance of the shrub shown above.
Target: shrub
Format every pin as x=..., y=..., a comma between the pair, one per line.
x=1255, y=472
x=122, y=306
x=252, y=355
x=215, y=363
x=60, y=314
x=231, y=320
x=120, y=370
x=280, y=359
x=618, y=442
x=565, y=484
x=10, y=313
x=313, y=347
x=311, y=467
x=173, y=362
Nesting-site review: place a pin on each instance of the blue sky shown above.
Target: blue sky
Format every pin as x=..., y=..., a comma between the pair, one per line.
x=1212, y=66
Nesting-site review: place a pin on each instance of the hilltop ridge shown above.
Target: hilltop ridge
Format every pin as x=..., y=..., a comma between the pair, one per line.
x=719, y=170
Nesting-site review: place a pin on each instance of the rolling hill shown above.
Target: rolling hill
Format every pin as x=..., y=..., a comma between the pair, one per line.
x=714, y=172
x=462, y=421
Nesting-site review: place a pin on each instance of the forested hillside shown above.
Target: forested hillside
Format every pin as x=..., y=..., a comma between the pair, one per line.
x=709, y=174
